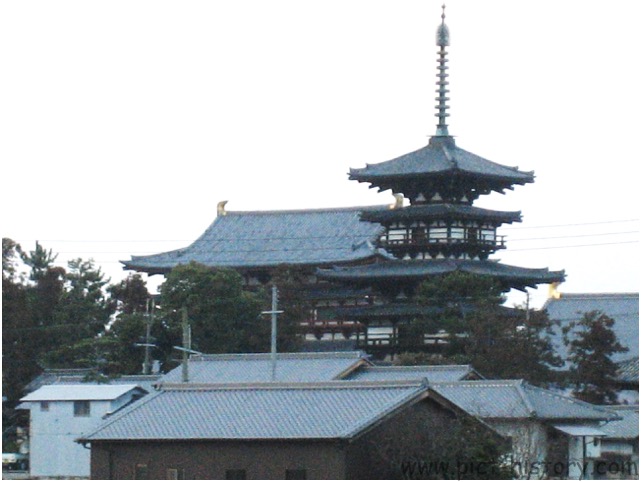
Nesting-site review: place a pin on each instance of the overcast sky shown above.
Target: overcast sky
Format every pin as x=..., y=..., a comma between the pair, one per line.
x=123, y=123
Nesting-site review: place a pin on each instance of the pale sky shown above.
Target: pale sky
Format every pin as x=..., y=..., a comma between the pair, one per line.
x=123, y=123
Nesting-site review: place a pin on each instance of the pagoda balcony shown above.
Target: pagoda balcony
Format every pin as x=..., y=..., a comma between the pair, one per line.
x=485, y=243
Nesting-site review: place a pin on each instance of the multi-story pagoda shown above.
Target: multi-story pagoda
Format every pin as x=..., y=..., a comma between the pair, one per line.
x=363, y=265
x=440, y=231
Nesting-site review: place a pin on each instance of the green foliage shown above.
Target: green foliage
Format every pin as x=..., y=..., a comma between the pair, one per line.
x=131, y=295
x=590, y=351
x=498, y=342
x=40, y=260
x=224, y=318
x=54, y=318
x=21, y=342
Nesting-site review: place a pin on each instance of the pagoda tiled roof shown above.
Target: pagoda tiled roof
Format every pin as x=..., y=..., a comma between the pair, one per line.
x=410, y=270
x=406, y=310
x=441, y=157
x=440, y=212
x=247, y=239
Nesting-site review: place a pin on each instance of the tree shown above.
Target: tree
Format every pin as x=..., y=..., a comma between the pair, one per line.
x=130, y=294
x=224, y=318
x=19, y=348
x=497, y=341
x=76, y=310
x=591, y=343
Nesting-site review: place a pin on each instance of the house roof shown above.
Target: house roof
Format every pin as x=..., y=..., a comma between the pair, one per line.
x=61, y=393
x=257, y=367
x=507, y=399
x=433, y=373
x=622, y=307
x=251, y=239
x=627, y=427
x=408, y=270
x=146, y=382
x=628, y=370
x=441, y=157
x=330, y=410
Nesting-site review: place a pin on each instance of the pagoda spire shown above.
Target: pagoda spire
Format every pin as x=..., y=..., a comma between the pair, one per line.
x=442, y=41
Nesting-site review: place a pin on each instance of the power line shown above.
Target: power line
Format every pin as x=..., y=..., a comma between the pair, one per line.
x=576, y=246
x=333, y=236
x=572, y=224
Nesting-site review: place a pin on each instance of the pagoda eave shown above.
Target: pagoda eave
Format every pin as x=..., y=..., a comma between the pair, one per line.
x=415, y=271
x=439, y=212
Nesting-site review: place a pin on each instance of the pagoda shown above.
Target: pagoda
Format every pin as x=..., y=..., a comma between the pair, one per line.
x=440, y=231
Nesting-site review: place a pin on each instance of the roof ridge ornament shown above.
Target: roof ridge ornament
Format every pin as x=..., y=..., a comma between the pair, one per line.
x=442, y=41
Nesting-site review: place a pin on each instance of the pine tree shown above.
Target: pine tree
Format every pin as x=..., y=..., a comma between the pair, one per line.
x=591, y=343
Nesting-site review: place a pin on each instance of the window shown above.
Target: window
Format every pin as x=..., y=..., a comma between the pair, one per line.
x=176, y=474
x=438, y=234
x=457, y=233
x=44, y=406
x=81, y=408
x=235, y=474
x=295, y=474
x=141, y=472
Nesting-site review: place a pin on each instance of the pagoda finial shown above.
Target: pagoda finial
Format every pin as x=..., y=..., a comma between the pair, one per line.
x=442, y=41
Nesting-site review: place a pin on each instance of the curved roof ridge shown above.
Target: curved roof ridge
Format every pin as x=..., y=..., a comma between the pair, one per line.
x=319, y=385
x=481, y=383
x=259, y=212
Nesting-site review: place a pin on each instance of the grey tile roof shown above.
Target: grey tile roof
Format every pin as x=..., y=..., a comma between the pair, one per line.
x=337, y=410
x=270, y=238
x=146, y=382
x=79, y=392
x=440, y=211
x=433, y=373
x=418, y=269
x=441, y=157
x=622, y=307
x=248, y=368
x=628, y=370
x=627, y=427
x=506, y=399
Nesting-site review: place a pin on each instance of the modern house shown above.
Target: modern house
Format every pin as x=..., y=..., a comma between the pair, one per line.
x=552, y=435
x=620, y=445
x=61, y=413
x=324, y=430
x=259, y=368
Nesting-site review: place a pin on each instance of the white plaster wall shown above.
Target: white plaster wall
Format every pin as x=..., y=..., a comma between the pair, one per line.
x=54, y=452
x=529, y=446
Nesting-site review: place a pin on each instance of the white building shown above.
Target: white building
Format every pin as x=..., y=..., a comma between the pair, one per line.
x=59, y=414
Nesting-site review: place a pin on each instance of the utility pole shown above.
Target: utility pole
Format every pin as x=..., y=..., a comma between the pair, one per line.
x=146, y=367
x=274, y=317
x=186, y=345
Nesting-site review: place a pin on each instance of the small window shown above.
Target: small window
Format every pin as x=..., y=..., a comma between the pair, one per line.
x=235, y=474
x=44, y=406
x=175, y=474
x=81, y=408
x=295, y=474
x=141, y=472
